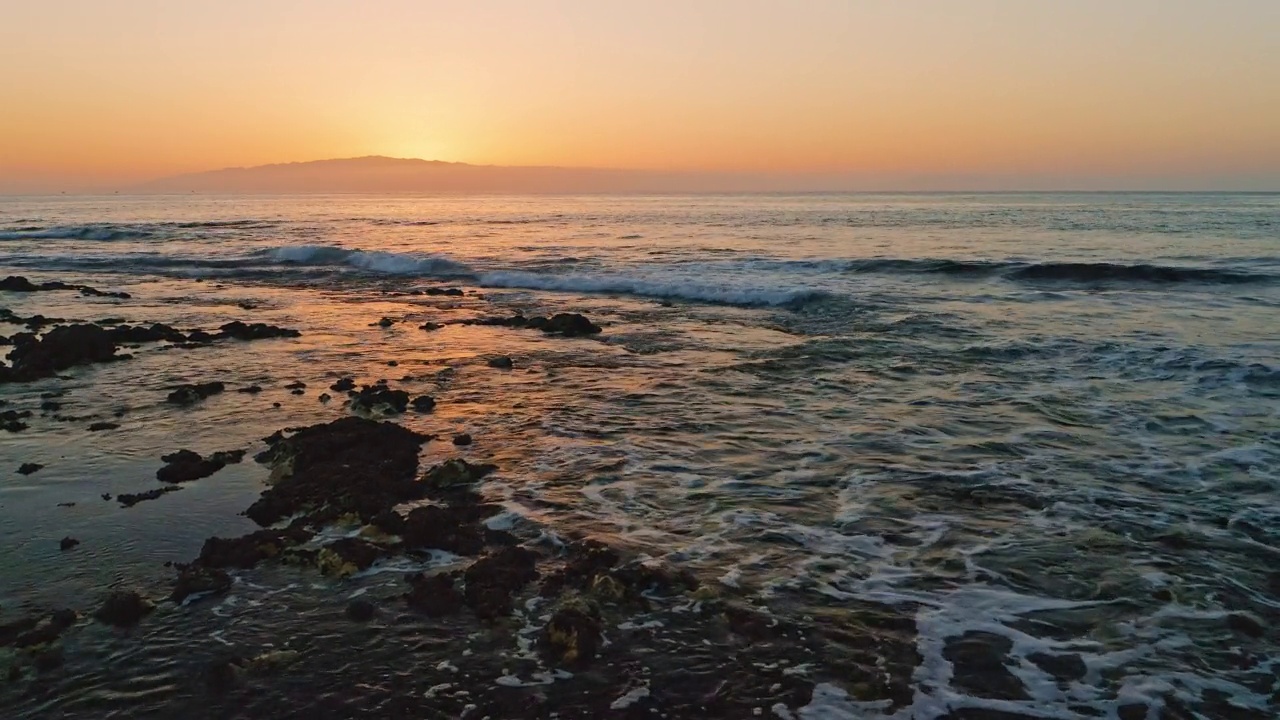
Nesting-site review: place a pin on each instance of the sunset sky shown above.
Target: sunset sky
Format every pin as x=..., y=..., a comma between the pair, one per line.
x=1159, y=93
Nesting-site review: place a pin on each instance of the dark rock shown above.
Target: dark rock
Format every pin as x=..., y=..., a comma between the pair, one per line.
x=1063, y=667
x=348, y=556
x=393, y=363
x=296, y=385
x=131, y=499
x=502, y=362
x=50, y=406
x=979, y=662
x=343, y=385
x=156, y=332
x=1245, y=624
x=47, y=659
x=491, y=580
x=1132, y=711
x=454, y=474
x=385, y=322
x=197, y=580
x=67, y=543
x=360, y=610
x=185, y=465
x=433, y=595
x=255, y=331
x=251, y=390
x=424, y=403
x=59, y=349
x=430, y=326
x=16, y=283
x=123, y=608
x=11, y=420
x=106, y=496
x=462, y=439
x=33, y=630
x=571, y=325
x=66, y=504
x=378, y=397
x=572, y=636
x=443, y=529
x=101, y=426
x=190, y=394
x=349, y=465
x=29, y=468
x=389, y=521
x=325, y=397
x=248, y=550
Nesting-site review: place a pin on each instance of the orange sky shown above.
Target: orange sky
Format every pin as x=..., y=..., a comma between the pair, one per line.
x=108, y=93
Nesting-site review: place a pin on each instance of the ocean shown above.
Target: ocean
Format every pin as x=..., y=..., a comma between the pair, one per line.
x=985, y=455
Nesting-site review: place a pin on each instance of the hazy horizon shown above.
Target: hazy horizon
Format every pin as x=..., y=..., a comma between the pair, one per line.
x=994, y=95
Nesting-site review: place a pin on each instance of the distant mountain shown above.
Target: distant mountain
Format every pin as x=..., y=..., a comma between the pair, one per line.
x=384, y=174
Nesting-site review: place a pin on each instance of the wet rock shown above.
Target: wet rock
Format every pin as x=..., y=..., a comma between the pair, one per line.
x=1066, y=667
x=570, y=325
x=11, y=420
x=462, y=439
x=103, y=426
x=131, y=499
x=255, y=331
x=389, y=522
x=424, y=403
x=123, y=608
x=502, y=362
x=325, y=397
x=393, y=363
x=347, y=556
x=979, y=661
x=385, y=322
x=247, y=551
x=50, y=406
x=442, y=529
x=59, y=349
x=343, y=385
x=251, y=390
x=360, y=610
x=430, y=326
x=433, y=595
x=156, y=332
x=454, y=474
x=491, y=580
x=47, y=659
x=296, y=385
x=185, y=465
x=223, y=674
x=191, y=394
x=29, y=468
x=17, y=283
x=34, y=630
x=67, y=543
x=1245, y=624
x=351, y=465
x=199, y=580
x=380, y=398
x=572, y=636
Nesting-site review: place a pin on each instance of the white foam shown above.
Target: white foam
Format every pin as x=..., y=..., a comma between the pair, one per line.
x=630, y=698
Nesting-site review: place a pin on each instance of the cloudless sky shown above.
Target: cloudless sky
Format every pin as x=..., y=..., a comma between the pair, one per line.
x=1162, y=92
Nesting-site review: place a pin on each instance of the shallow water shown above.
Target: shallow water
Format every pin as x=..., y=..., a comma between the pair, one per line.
x=1050, y=418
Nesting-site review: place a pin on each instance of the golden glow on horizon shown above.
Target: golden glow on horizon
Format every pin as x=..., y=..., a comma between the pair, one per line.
x=98, y=92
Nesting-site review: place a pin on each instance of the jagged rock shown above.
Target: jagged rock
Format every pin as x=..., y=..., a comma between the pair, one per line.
x=247, y=551
x=123, y=608
x=347, y=556
x=351, y=465
x=197, y=579
x=455, y=473
x=572, y=636
x=491, y=580
x=59, y=349
x=29, y=468
x=433, y=595
x=255, y=331
x=191, y=394
x=131, y=499
x=378, y=397
x=185, y=465
x=67, y=543
x=570, y=325
x=502, y=362
x=156, y=332
x=17, y=283
x=343, y=385
x=441, y=528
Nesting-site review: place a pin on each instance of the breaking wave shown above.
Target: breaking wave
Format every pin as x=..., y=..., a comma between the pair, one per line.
x=691, y=289
x=374, y=261
x=77, y=232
